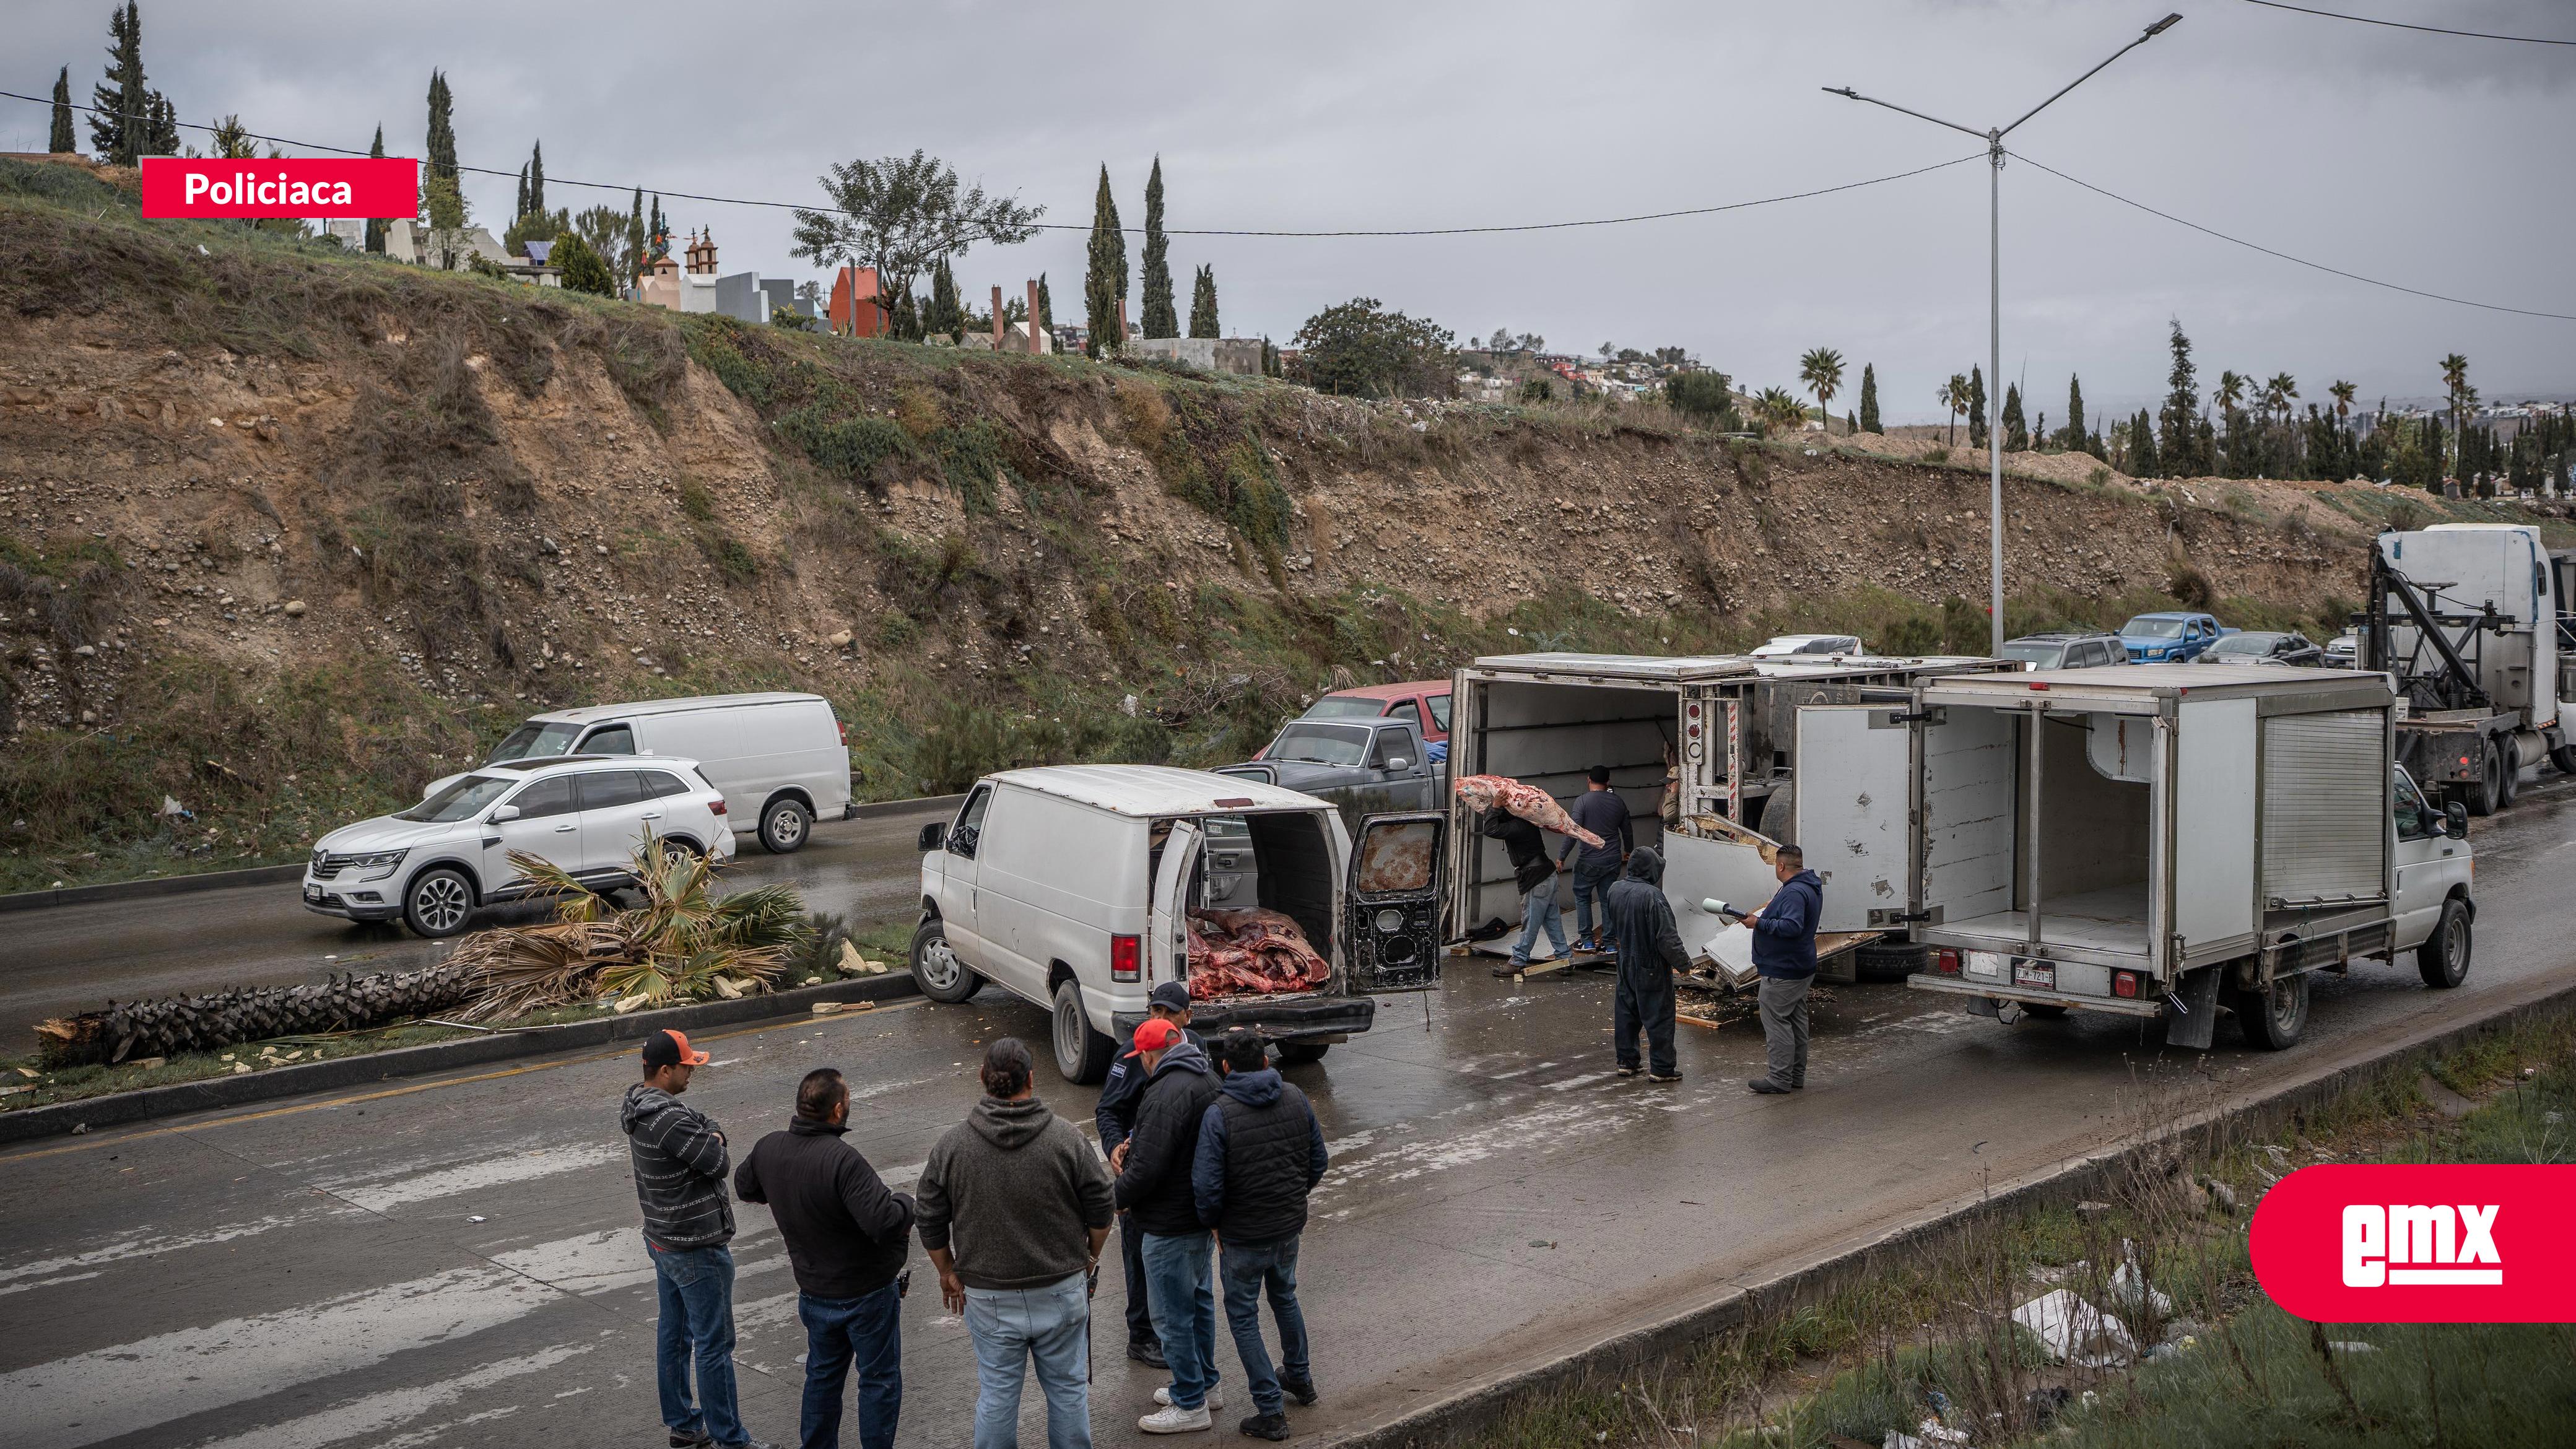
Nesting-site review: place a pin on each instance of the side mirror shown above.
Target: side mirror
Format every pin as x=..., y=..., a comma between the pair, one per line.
x=511, y=812
x=1399, y=762
x=934, y=835
x=2455, y=820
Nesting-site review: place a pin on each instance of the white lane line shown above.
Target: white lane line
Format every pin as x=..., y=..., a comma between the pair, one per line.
x=476, y=1176
x=171, y=1243
x=49, y=1282
x=394, y=1408
x=1585, y=1080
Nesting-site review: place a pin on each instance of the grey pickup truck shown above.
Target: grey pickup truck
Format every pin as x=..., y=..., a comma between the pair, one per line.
x=1364, y=766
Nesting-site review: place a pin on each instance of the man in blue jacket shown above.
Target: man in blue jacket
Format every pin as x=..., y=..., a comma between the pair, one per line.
x=1261, y=1152
x=1784, y=951
x=1116, y=1117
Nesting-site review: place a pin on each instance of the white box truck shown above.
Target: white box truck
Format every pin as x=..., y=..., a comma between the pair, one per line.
x=2145, y=842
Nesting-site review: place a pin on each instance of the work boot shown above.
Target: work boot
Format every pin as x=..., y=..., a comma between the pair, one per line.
x=1628, y=1071
x=1665, y=1079
x=1266, y=1426
x=1766, y=1087
x=691, y=1439
x=1146, y=1350
x=1302, y=1390
x=1171, y=1420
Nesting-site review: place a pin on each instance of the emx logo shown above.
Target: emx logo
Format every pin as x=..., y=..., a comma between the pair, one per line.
x=2437, y=1243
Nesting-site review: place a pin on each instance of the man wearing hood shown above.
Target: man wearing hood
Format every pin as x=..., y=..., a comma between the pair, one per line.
x=679, y=1161
x=1649, y=943
x=1261, y=1152
x=1784, y=951
x=1154, y=1185
x=1012, y=1208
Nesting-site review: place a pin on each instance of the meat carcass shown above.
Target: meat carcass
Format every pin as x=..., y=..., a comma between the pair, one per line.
x=1529, y=802
x=1236, y=950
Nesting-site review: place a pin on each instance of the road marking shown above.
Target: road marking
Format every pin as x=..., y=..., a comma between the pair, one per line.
x=375, y=1413
x=473, y=1176
x=118, y=1139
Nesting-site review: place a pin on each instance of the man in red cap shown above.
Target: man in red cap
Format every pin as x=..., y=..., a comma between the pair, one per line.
x=1154, y=1184
x=680, y=1166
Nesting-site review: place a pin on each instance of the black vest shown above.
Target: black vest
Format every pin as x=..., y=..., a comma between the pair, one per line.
x=1267, y=1150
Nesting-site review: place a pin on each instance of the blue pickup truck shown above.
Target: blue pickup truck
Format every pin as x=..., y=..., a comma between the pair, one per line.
x=2169, y=638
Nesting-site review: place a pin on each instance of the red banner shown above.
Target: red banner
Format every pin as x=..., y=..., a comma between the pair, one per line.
x=2439, y=1243
x=175, y=186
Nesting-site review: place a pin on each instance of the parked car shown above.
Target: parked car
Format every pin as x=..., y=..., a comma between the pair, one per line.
x=2265, y=646
x=2343, y=651
x=784, y=756
x=2169, y=638
x=2066, y=650
x=1072, y=887
x=1787, y=644
x=1364, y=766
x=433, y=865
x=1423, y=703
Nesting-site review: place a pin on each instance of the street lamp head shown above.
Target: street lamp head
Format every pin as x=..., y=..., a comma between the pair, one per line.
x=1846, y=92
x=2161, y=26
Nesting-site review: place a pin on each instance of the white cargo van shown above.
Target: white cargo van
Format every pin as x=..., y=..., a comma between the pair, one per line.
x=780, y=759
x=1072, y=887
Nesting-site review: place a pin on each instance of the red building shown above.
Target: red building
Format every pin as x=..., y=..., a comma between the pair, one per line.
x=871, y=303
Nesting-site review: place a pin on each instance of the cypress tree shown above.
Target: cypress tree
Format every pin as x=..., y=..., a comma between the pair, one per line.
x=1203, y=303
x=522, y=208
x=161, y=127
x=537, y=178
x=2016, y=431
x=62, y=143
x=1868, y=398
x=1976, y=407
x=2182, y=456
x=1046, y=306
x=944, y=315
x=121, y=105
x=657, y=234
x=905, y=324
x=2074, y=411
x=376, y=224
x=2142, y=446
x=1104, y=279
x=1159, y=320
x=442, y=130
x=633, y=262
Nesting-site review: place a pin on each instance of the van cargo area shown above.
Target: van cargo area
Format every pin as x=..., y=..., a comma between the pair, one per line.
x=1268, y=863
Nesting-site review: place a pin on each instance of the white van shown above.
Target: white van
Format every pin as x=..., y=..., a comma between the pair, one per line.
x=780, y=759
x=1072, y=887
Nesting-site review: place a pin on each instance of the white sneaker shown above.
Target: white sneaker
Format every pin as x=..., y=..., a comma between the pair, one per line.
x=1215, y=1397
x=1171, y=1420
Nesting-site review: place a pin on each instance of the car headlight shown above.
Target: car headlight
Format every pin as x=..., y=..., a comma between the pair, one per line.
x=376, y=865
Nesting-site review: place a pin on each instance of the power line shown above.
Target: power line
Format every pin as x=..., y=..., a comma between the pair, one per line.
x=2403, y=25
x=2285, y=256
x=1170, y=231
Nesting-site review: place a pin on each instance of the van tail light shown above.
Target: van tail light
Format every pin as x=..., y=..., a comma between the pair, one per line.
x=1945, y=962
x=716, y=805
x=1126, y=957
x=844, y=727
x=2124, y=984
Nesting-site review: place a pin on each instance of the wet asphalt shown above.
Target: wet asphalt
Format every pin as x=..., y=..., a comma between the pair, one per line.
x=456, y=1261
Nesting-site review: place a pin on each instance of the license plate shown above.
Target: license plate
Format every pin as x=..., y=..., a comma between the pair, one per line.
x=2035, y=973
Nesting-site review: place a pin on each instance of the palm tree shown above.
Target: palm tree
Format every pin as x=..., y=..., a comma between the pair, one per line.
x=1822, y=371
x=2342, y=393
x=1953, y=396
x=2279, y=393
x=1780, y=408
x=2230, y=392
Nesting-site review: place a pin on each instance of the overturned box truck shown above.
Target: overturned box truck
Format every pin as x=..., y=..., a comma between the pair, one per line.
x=1703, y=750
x=2155, y=842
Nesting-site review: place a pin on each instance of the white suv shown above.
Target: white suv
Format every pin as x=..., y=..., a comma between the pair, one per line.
x=434, y=863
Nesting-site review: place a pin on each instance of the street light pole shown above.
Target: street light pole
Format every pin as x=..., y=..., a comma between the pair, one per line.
x=1994, y=139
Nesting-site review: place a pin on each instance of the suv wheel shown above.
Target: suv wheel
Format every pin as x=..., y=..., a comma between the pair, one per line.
x=438, y=903
x=1081, y=1053
x=784, y=826
x=2443, y=959
x=936, y=969
x=1299, y=1053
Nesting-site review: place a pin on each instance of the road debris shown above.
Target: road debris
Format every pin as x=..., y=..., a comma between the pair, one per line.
x=2074, y=1331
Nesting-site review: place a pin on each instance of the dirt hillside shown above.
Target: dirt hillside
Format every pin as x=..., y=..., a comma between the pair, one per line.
x=284, y=533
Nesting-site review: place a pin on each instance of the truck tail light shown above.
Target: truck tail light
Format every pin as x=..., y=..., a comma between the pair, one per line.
x=1126, y=956
x=716, y=805
x=1945, y=962
x=2124, y=984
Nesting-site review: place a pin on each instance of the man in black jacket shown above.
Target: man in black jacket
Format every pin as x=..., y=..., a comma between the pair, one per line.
x=1154, y=1185
x=1649, y=943
x=1534, y=875
x=1261, y=1152
x=847, y=1237
x=1115, y=1116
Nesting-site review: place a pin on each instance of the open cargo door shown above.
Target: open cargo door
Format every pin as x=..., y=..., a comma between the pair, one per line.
x=1854, y=811
x=1391, y=921
x=1168, y=950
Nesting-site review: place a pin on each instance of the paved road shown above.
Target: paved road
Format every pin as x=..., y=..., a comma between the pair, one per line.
x=456, y=1262
x=73, y=958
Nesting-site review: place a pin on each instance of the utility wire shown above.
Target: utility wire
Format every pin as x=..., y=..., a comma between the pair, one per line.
x=2285, y=256
x=2403, y=25
x=1170, y=231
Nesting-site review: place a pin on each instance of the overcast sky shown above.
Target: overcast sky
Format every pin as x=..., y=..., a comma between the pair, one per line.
x=2435, y=162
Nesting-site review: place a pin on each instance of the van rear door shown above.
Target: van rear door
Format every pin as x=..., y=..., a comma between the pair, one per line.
x=1168, y=938
x=1391, y=912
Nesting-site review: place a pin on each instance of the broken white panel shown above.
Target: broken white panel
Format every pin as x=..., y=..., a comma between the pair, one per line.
x=2076, y=1332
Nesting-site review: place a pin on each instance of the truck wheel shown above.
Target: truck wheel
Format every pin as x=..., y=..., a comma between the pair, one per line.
x=936, y=969
x=1886, y=960
x=2486, y=796
x=784, y=826
x=2564, y=757
x=2276, y=1016
x=1081, y=1053
x=2444, y=957
x=1299, y=1053
x=2509, y=779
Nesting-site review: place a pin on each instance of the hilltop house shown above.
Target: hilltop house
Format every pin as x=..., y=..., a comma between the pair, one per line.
x=741, y=296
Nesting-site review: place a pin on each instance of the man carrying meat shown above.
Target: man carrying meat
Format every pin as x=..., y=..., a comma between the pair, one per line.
x=1602, y=812
x=1534, y=875
x=1116, y=1118
x=1650, y=951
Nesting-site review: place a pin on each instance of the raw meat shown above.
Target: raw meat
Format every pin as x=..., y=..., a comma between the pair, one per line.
x=1529, y=802
x=1234, y=951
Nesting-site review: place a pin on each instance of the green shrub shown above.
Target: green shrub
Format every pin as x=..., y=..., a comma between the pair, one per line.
x=845, y=447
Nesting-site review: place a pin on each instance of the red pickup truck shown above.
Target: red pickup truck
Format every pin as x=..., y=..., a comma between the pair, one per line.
x=1424, y=703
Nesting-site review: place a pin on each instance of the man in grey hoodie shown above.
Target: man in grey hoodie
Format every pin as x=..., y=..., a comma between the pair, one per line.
x=1012, y=1208
x=680, y=1165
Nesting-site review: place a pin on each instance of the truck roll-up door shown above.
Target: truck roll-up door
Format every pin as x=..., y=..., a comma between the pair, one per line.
x=2325, y=808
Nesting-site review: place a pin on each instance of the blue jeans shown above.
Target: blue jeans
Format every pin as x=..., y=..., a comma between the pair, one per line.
x=696, y=1317
x=1592, y=881
x=1176, y=1280
x=1539, y=911
x=1010, y=1326
x=1247, y=1269
x=868, y=1329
